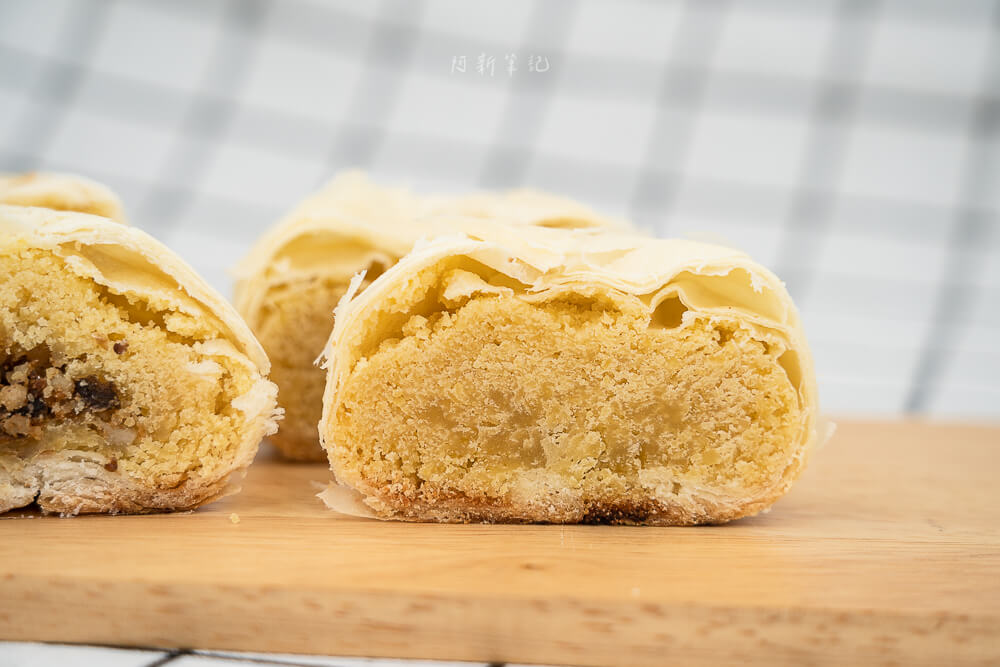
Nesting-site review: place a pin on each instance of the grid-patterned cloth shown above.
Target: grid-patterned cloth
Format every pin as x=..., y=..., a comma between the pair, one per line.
x=851, y=146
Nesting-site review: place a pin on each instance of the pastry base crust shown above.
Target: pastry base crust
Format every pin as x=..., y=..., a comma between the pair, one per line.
x=628, y=513
x=71, y=483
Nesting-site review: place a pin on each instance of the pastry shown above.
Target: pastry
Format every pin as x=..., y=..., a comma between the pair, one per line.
x=62, y=192
x=536, y=375
x=126, y=383
x=289, y=284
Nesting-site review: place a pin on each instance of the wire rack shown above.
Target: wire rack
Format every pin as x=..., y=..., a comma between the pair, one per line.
x=851, y=146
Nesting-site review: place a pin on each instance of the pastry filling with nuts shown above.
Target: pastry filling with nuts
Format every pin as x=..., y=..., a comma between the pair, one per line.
x=34, y=390
x=133, y=386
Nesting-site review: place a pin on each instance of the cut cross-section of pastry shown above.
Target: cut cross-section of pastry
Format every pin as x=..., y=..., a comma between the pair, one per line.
x=533, y=375
x=62, y=192
x=291, y=281
x=126, y=383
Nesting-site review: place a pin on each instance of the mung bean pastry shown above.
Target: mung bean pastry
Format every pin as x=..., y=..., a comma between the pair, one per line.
x=289, y=284
x=126, y=383
x=63, y=192
x=535, y=375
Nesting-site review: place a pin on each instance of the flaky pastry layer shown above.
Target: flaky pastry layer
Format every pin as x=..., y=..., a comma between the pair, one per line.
x=62, y=192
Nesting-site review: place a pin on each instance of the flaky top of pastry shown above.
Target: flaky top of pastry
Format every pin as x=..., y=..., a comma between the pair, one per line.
x=64, y=192
x=128, y=261
x=542, y=264
x=352, y=222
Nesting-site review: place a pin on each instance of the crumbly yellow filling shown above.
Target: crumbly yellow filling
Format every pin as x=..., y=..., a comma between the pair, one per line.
x=293, y=327
x=501, y=396
x=83, y=368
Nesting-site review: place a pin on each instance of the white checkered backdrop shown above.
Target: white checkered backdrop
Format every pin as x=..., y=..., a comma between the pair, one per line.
x=852, y=146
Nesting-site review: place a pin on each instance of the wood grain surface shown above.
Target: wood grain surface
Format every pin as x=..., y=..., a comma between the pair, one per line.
x=887, y=551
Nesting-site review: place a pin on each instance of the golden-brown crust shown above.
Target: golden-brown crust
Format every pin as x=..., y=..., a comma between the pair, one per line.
x=650, y=512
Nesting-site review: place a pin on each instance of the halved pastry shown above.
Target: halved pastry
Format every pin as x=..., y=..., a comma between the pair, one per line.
x=126, y=383
x=291, y=281
x=533, y=375
x=62, y=192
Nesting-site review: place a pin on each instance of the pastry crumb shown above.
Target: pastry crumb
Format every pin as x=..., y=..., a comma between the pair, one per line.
x=595, y=414
x=234, y=517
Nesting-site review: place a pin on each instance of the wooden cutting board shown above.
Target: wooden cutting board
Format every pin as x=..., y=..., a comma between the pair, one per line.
x=887, y=551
